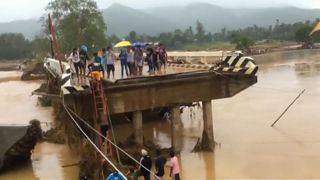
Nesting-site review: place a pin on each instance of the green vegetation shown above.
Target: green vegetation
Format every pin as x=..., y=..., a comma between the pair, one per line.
x=40, y=47
x=189, y=39
x=81, y=23
x=14, y=46
x=242, y=42
x=44, y=101
x=78, y=22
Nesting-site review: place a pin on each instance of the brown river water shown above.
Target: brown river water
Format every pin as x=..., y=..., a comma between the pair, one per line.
x=247, y=147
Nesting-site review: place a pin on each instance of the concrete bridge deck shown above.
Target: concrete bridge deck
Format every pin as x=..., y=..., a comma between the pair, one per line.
x=142, y=93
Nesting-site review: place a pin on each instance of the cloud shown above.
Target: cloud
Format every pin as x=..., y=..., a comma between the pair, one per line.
x=21, y=9
x=25, y=9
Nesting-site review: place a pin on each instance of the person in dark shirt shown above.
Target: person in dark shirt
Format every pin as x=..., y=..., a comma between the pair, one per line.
x=155, y=61
x=83, y=54
x=159, y=163
x=145, y=162
x=124, y=64
x=149, y=58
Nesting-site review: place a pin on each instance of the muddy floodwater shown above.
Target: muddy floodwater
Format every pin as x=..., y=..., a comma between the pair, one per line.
x=17, y=107
x=247, y=147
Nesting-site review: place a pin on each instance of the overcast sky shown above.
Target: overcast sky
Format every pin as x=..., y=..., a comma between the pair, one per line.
x=26, y=9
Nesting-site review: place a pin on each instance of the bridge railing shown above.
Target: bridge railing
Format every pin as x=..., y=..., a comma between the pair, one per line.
x=54, y=68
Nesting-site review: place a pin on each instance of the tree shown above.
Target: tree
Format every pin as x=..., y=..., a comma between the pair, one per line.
x=78, y=22
x=188, y=34
x=302, y=34
x=40, y=46
x=132, y=36
x=200, y=31
x=14, y=46
x=242, y=43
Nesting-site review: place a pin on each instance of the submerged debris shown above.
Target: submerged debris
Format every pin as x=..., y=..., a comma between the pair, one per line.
x=54, y=135
x=21, y=150
x=34, y=70
x=203, y=144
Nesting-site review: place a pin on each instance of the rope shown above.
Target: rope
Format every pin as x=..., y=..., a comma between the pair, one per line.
x=93, y=144
x=113, y=136
x=101, y=135
x=288, y=108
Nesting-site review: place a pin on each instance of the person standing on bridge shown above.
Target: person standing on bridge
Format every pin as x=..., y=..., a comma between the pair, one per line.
x=123, y=59
x=95, y=68
x=149, y=57
x=74, y=59
x=155, y=60
x=104, y=58
x=162, y=56
x=84, y=58
x=138, y=60
x=110, y=62
x=130, y=61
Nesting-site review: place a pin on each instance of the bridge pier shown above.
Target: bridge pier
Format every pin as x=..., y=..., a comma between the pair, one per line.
x=137, y=126
x=176, y=125
x=207, y=136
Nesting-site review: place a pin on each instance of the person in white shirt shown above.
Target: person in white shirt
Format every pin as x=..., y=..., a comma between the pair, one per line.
x=130, y=61
x=110, y=57
x=138, y=60
x=74, y=59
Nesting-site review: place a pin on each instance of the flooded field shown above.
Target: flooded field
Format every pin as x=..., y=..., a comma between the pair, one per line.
x=247, y=147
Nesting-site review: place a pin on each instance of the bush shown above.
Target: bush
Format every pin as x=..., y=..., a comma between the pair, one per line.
x=44, y=101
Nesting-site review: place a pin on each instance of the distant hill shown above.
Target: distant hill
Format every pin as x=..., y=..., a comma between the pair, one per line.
x=29, y=28
x=121, y=19
x=215, y=18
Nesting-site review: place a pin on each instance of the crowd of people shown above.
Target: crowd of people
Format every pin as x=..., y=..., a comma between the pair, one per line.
x=144, y=170
x=132, y=60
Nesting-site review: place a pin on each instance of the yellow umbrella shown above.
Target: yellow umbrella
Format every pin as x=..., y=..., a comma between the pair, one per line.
x=316, y=28
x=123, y=44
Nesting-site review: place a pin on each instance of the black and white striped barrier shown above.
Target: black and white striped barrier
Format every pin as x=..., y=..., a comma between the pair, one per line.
x=68, y=88
x=239, y=63
x=53, y=66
